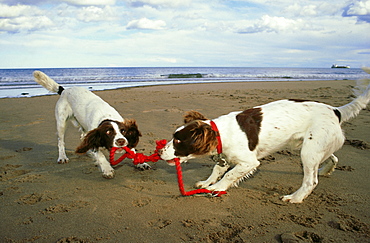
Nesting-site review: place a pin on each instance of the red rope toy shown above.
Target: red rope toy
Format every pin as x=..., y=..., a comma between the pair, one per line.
x=139, y=158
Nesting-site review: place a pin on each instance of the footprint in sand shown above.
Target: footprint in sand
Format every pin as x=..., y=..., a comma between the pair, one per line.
x=72, y=239
x=8, y=172
x=34, y=198
x=357, y=144
x=300, y=237
x=142, y=202
x=30, y=178
x=24, y=149
x=65, y=208
x=350, y=224
x=306, y=221
x=160, y=223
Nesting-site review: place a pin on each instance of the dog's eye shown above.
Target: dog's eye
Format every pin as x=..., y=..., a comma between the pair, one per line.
x=176, y=141
x=108, y=132
x=122, y=131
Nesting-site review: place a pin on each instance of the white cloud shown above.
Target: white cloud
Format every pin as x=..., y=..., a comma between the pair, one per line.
x=19, y=18
x=163, y=59
x=314, y=9
x=90, y=2
x=359, y=8
x=273, y=24
x=145, y=23
x=19, y=24
x=93, y=13
x=299, y=10
x=159, y=3
x=17, y=10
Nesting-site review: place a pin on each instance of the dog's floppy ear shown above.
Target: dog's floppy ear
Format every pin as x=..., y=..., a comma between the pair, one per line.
x=204, y=138
x=132, y=133
x=192, y=116
x=92, y=140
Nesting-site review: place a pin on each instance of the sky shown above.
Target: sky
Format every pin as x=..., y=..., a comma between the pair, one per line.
x=184, y=33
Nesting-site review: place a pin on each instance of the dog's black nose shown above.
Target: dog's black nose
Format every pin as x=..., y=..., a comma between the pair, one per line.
x=120, y=142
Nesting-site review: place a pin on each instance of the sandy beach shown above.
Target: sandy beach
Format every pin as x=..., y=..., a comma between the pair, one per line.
x=42, y=201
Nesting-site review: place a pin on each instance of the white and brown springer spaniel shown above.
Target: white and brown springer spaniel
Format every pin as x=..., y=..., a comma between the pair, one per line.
x=247, y=136
x=102, y=127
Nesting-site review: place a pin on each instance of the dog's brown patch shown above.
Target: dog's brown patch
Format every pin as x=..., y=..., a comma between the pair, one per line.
x=196, y=138
x=131, y=132
x=250, y=123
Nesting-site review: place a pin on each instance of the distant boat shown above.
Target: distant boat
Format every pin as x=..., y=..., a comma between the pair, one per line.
x=338, y=66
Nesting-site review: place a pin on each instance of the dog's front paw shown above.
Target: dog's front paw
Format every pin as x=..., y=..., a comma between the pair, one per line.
x=63, y=160
x=291, y=199
x=143, y=166
x=201, y=184
x=109, y=174
x=217, y=187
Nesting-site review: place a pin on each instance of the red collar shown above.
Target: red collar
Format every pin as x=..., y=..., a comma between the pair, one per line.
x=219, y=143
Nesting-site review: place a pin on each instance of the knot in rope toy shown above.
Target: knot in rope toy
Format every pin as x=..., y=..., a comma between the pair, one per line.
x=139, y=158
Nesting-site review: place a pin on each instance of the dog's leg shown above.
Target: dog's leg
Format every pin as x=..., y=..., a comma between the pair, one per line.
x=310, y=181
x=233, y=177
x=318, y=145
x=219, y=170
x=62, y=112
x=62, y=159
x=103, y=164
x=310, y=178
x=312, y=154
x=143, y=166
x=329, y=166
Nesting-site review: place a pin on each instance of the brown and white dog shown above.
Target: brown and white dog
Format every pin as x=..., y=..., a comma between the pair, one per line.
x=102, y=127
x=247, y=136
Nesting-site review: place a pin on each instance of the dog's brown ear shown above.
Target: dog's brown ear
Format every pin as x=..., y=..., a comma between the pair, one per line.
x=192, y=116
x=132, y=133
x=92, y=140
x=204, y=139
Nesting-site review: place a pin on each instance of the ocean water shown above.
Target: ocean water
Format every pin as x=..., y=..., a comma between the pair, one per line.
x=20, y=82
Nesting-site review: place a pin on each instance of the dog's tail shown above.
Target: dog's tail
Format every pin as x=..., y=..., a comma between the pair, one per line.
x=47, y=83
x=362, y=93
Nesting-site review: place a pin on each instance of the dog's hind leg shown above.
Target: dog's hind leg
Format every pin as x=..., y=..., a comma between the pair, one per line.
x=320, y=142
x=310, y=181
x=62, y=112
x=312, y=154
x=328, y=166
